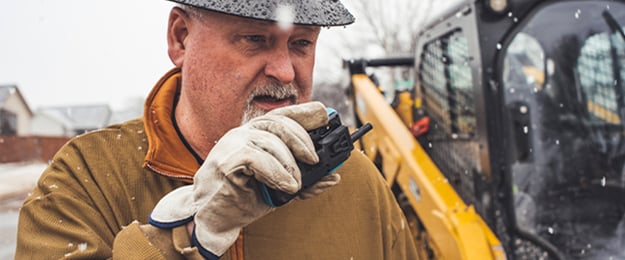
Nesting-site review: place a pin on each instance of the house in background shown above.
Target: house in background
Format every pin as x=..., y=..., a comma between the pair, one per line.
x=69, y=120
x=15, y=115
x=27, y=135
x=133, y=108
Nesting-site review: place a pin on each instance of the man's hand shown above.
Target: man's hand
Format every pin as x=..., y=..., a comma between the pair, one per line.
x=225, y=197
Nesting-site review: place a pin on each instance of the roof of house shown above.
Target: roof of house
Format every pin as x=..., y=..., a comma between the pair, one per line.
x=79, y=116
x=7, y=91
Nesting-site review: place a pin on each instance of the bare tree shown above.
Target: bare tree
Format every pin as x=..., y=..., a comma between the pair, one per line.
x=393, y=25
x=383, y=28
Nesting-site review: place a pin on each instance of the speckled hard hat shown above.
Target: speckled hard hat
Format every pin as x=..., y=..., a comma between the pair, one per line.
x=304, y=12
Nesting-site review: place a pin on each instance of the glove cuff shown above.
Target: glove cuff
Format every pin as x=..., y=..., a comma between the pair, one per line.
x=203, y=251
x=174, y=209
x=169, y=225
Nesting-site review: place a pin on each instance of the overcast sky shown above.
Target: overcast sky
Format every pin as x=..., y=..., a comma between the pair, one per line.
x=67, y=52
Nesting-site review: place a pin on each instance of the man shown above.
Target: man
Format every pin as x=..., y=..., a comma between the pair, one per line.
x=182, y=182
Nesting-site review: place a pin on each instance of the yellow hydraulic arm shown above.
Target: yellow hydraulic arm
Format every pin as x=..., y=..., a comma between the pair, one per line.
x=454, y=229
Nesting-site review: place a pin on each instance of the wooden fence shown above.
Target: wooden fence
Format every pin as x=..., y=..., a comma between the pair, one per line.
x=29, y=148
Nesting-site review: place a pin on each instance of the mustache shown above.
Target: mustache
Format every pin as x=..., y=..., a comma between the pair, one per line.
x=273, y=90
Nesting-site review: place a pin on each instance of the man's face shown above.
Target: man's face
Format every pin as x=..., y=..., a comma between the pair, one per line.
x=235, y=68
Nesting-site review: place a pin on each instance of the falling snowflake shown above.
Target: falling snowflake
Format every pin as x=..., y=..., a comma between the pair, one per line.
x=82, y=247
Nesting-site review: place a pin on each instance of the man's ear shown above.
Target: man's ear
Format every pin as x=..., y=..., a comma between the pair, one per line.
x=177, y=32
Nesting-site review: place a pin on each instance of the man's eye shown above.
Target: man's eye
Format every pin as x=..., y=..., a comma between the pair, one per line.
x=302, y=42
x=255, y=38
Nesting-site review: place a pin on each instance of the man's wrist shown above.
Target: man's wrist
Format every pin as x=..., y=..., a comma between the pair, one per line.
x=190, y=227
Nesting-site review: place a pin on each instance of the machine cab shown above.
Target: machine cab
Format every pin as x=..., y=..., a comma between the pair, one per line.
x=527, y=109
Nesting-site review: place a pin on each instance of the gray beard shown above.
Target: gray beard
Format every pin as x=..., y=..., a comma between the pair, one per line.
x=276, y=90
x=251, y=113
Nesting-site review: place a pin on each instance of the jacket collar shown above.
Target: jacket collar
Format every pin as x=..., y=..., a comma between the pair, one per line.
x=166, y=153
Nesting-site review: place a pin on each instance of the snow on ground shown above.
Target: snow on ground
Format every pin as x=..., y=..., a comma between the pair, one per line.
x=16, y=180
x=19, y=178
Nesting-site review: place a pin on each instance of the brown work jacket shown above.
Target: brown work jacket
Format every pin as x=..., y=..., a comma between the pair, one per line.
x=94, y=199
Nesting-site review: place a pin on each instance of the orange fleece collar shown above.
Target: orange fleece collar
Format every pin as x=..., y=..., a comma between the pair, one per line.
x=166, y=154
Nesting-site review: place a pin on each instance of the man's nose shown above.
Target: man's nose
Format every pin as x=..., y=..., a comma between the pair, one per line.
x=280, y=66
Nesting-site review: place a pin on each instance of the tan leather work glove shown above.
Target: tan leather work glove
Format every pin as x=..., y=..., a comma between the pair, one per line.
x=225, y=196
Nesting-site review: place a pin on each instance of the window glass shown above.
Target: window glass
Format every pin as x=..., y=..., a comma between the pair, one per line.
x=597, y=76
x=446, y=86
x=8, y=122
x=564, y=111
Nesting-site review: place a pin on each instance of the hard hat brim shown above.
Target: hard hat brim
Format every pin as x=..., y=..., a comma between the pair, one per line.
x=306, y=12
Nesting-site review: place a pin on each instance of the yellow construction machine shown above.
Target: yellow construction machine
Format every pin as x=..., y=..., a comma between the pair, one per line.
x=508, y=142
